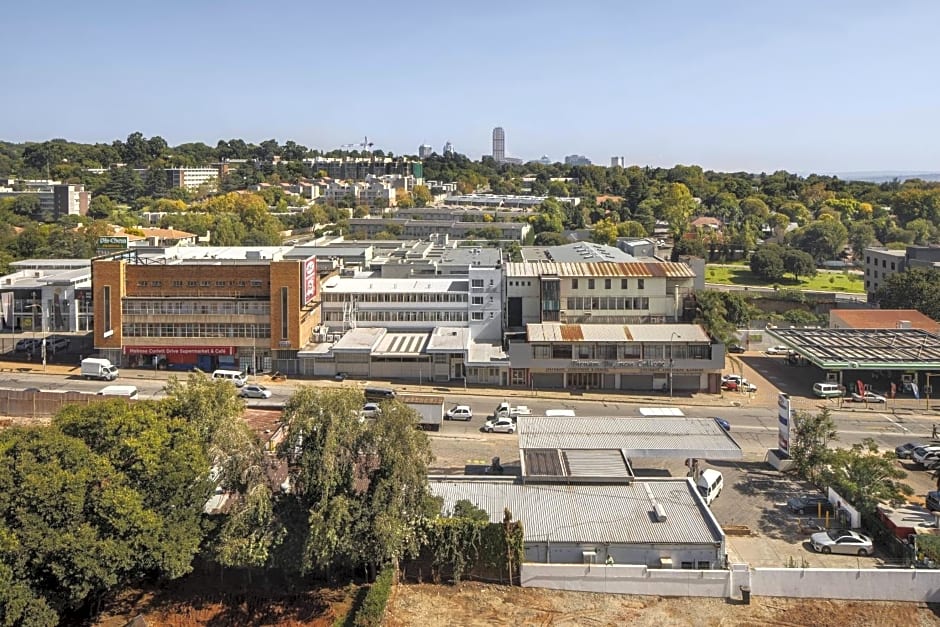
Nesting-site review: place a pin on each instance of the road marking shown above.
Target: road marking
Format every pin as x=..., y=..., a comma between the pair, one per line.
x=897, y=424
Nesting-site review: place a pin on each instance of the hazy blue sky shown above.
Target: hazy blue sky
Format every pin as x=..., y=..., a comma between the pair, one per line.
x=747, y=85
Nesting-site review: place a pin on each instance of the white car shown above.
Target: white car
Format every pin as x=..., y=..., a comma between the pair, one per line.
x=842, y=541
x=255, y=391
x=459, y=412
x=500, y=425
x=868, y=397
x=370, y=410
x=778, y=350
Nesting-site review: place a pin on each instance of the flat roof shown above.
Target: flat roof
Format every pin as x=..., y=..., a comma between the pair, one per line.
x=700, y=438
x=864, y=349
x=594, y=464
x=401, y=345
x=617, y=513
x=578, y=252
x=371, y=284
x=558, y=332
x=448, y=340
x=359, y=340
x=592, y=269
x=421, y=399
x=884, y=319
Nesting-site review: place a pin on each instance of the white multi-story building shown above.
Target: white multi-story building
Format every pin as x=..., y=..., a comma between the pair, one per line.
x=617, y=162
x=194, y=178
x=371, y=192
x=425, y=151
x=56, y=199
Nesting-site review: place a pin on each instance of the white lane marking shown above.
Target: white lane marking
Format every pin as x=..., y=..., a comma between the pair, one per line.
x=895, y=423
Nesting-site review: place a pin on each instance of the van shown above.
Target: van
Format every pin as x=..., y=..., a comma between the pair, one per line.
x=129, y=391
x=97, y=368
x=709, y=484
x=235, y=376
x=379, y=394
x=827, y=390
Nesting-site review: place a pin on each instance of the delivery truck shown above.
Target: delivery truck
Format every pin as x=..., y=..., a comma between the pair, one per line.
x=95, y=368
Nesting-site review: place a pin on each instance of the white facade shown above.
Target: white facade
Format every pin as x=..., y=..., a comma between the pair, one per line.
x=192, y=178
x=425, y=150
x=617, y=162
x=370, y=192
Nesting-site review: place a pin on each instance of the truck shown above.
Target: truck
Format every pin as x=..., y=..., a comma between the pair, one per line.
x=430, y=409
x=96, y=368
x=505, y=410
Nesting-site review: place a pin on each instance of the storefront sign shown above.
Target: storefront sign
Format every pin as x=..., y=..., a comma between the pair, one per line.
x=308, y=280
x=112, y=242
x=784, y=423
x=177, y=351
x=642, y=364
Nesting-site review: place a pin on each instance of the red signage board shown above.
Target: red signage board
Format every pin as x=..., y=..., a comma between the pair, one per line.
x=177, y=351
x=308, y=280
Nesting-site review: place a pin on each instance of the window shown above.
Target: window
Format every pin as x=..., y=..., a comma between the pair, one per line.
x=518, y=376
x=703, y=566
x=574, y=284
x=284, y=313
x=590, y=284
x=868, y=259
x=561, y=351
x=876, y=274
x=640, y=284
x=884, y=263
x=867, y=283
x=606, y=284
x=624, y=284
x=155, y=283
x=476, y=315
x=141, y=284
x=177, y=284
x=106, y=306
x=892, y=265
x=220, y=283
x=476, y=300
x=191, y=283
x=542, y=351
x=476, y=283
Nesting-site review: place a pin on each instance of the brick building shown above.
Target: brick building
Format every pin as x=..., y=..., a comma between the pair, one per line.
x=205, y=307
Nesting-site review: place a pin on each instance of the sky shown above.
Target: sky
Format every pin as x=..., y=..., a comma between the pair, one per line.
x=804, y=86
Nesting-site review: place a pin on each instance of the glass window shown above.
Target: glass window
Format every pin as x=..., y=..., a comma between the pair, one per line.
x=624, y=284
x=561, y=351
x=574, y=284
x=590, y=284
x=640, y=284
x=606, y=284
x=476, y=315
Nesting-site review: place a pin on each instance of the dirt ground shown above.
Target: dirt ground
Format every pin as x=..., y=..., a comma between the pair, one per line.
x=471, y=604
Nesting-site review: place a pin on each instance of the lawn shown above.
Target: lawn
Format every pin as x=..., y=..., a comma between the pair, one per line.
x=823, y=281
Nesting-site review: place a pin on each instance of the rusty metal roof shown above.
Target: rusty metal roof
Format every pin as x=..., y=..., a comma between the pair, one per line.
x=556, y=332
x=641, y=269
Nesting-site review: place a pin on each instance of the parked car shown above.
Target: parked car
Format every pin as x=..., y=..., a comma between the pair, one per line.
x=340, y=376
x=26, y=344
x=923, y=454
x=57, y=343
x=731, y=377
x=842, y=541
x=724, y=424
x=370, y=410
x=904, y=451
x=459, y=412
x=735, y=348
x=742, y=385
x=809, y=504
x=500, y=425
x=933, y=501
x=255, y=391
x=868, y=397
x=778, y=350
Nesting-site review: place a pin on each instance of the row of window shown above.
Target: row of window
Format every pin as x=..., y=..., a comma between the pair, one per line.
x=401, y=316
x=196, y=329
x=608, y=283
x=189, y=308
x=884, y=264
x=251, y=283
x=607, y=303
x=621, y=351
x=396, y=297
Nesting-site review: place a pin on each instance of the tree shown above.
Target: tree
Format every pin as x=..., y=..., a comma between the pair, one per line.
x=677, y=208
x=809, y=442
x=101, y=207
x=915, y=288
x=421, y=195
x=711, y=313
x=823, y=239
x=604, y=232
x=631, y=228
x=767, y=262
x=404, y=200
x=645, y=214
x=861, y=236
x=866, y=478
x=550, y=238
x=798, y=263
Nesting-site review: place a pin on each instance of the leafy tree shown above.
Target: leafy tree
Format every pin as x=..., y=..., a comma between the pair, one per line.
x=798, y=263
x=421, y=195
x=866, y=478
x=861, y=236
x=645, y=214
x=466, y=509
x=404, y=200
x=604, y=232
x=810, y=436
x=823, y=239
x=677, y=208
x=711, y=313
x=915, y=288
x=631, y=228
x=694, y=246
x=101, y=207
x=550, y=238
x=767, y=262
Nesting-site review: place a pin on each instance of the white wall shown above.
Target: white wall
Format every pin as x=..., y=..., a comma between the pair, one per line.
x=837, y=583
x=626, y=580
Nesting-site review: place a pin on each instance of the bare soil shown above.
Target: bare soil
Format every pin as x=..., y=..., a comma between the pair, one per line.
x=471, y=604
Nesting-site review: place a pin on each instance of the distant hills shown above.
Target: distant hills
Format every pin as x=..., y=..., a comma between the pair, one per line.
x=884, y=177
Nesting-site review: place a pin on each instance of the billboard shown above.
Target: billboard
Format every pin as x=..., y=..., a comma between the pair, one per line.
x=784, y=423
x=178, y=351
x=308, y=280
x=112, y=242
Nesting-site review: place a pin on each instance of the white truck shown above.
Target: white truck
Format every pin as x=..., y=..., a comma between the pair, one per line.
x=95, y=368
x=505, y=410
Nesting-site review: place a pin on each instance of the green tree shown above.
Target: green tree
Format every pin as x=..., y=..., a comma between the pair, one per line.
x=866, y=478
x=810, y=436
x=677, y=208
x=798, y=263
x=101, y=207
x=767, y=262
x=604, y=232
x=823, y=239
x=711, y=313
x=631, y=228
x=915, y=288
x=645, y=214
x=421, y=195
x=550, y=238
x=861, y=236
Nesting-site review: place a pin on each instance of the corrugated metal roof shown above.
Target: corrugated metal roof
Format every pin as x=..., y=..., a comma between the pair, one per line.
x=596, y=463
x=590, y=513
x=864, y=349
x=639, y=269
x=557, y=332
x=401, y=344
x=638, y=437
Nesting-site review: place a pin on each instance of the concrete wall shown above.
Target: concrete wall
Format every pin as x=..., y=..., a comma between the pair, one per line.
x=29, y=404
x=833, y=583
x=626, y=580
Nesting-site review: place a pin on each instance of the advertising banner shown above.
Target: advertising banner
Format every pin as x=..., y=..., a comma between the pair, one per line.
x=308, y=280
x=174, y=351
x=112, y=242
x=784, y=423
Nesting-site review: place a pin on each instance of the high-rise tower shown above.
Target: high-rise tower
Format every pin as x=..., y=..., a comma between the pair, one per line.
x=499, y=144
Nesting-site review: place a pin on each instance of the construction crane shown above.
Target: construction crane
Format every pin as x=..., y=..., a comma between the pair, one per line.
x=364, y=145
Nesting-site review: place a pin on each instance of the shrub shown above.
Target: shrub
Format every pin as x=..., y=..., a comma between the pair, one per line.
x=372, y=611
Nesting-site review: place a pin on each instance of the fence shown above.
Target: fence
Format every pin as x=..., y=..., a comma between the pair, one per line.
x=33, y=404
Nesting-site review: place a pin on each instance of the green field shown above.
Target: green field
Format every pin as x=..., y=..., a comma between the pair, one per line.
x=824, y=281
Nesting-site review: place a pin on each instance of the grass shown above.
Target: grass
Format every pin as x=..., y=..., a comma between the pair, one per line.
x=823, y=281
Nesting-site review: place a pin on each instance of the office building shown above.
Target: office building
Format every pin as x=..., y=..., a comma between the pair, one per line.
x=424, y=151
x=47, y=294
x=499, y=144
x=577, y=160
x=617, y=162
x=448, y=148
x=398, y=228
x=56, y=199
x=880, y=263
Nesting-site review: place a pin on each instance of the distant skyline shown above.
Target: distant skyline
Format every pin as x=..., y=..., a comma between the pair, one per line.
x=840, y=86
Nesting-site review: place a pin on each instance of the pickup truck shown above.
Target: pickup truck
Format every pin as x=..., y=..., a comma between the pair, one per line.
x=505, y=410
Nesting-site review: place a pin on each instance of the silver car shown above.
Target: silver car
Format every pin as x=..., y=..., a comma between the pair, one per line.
x=842, y=541
x=255, y=391
x=500, y=425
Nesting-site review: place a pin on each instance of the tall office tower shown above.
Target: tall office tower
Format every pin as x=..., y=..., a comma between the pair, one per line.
x=424, y=151
x=616, y=161
x=448, y=148
x=499, y=144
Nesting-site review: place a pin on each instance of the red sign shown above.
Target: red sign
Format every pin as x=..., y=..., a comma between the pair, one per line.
x=308, y=280
x=176, y=351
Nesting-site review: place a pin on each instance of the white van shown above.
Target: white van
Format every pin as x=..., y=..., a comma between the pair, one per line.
x=827, y=390
x=709, y=484
x=128, y=391
x=235, y=376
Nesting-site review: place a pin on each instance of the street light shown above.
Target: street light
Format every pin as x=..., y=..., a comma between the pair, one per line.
x=42, y=318
x=674, y=334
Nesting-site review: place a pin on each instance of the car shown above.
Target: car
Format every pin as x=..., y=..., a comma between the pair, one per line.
x=904, y=451
x=933, y=501
x=370, y=410
x=736, y=348
x=868, y=397
x=742, y=385
x=922, y=454
x=778, y=350
x=340, y=376
x=724, y=424
x=731, y=377
x=500, y=425
x=255, y=391
x=809, y=504
x=459, y=412
x=844, y=541
x=57, y=343
x=26, y=344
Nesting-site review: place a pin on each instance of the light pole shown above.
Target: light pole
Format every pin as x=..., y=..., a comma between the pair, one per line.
x=674, y=335
x=42, y=331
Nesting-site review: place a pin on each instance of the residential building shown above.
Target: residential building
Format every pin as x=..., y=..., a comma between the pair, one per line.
x=205, y=307
x=880, y=263
x=56, y=199
x=358, y=168
x=425, y=151
x=47, y=294
x=577, y=160
x=881, y=319
x=423, y=229
x=499, y=144
x=194, y=178
x=617, y=162
x=612, y=292
x=448, y=148
x=639, y=357
x=496, y=201
x=372, y=192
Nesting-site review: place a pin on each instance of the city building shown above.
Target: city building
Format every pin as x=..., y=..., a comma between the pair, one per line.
x=504, y=201
x=880, y=263
x=372, y=192
x=56, y=199
x=194, y=178
x=881, y=319
x=205, y=307
x=617, y=162
x=499, y=144
x=448, y=148
x=47, y=294
x=592, y=292
x=358, y=168
x=368, y=228
x=577, y=160
x=639, y=357
x=425, y=151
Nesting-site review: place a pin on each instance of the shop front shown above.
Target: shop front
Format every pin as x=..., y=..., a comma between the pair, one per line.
x=205, y=358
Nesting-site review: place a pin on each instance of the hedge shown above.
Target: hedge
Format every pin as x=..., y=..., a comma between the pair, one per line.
x=372, y=610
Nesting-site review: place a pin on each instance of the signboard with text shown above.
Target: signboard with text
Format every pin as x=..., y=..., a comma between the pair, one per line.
x=784, y=423
x=112, y=242
x=177, y=351
x=308, y=281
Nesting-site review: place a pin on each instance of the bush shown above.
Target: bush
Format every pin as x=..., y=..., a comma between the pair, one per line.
x=372, y=611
